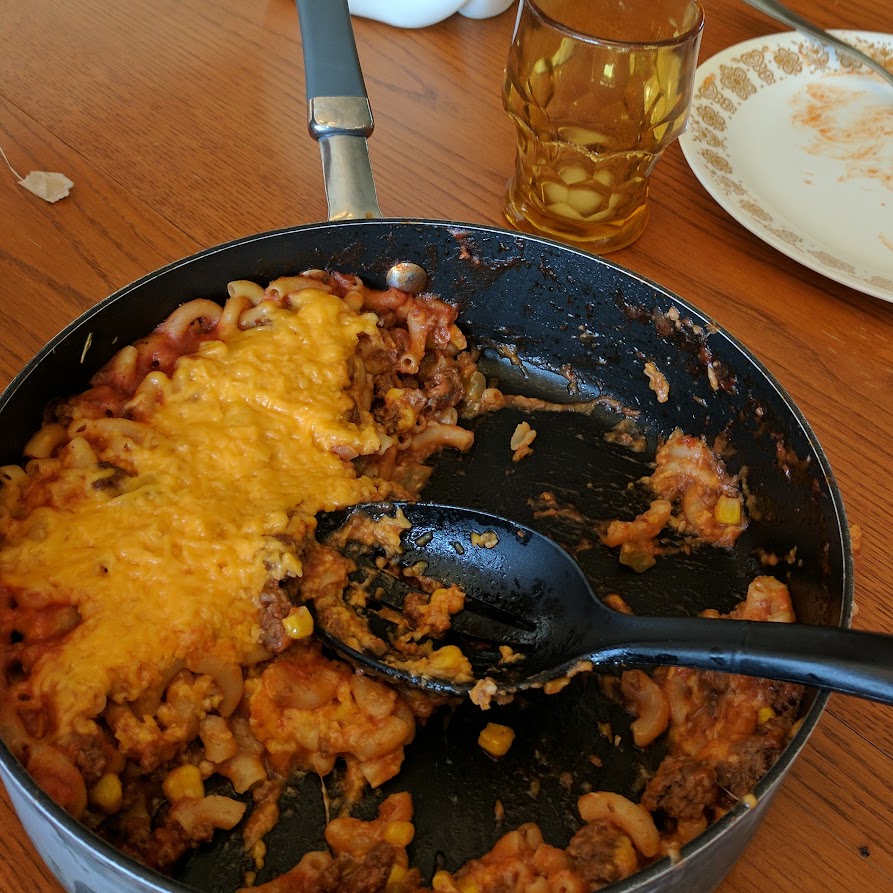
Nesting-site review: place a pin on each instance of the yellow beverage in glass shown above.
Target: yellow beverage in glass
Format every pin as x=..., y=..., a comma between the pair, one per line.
x=597, y=90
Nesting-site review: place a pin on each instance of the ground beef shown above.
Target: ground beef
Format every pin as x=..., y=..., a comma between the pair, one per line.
x=786, y=699
x=328, y=881
x=89, y=756
x=160, y=848
x=443, y=386
x=390, y=414
x=368, y=876
x=414, y=605
x=682, y=788
x=601, y=854
x=715, y=682
x=747, y=762
x=275, y=606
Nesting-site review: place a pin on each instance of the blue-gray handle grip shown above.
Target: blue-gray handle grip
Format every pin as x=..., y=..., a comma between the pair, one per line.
x=331, y=62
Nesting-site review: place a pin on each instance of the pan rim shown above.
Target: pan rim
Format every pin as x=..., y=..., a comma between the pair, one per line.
x=59, y=818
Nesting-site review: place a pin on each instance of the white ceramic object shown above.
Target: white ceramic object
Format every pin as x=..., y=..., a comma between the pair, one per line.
x=796, y=143
x=421, y=13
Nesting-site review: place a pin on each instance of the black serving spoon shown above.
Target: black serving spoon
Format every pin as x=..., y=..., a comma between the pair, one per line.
x=525, y=591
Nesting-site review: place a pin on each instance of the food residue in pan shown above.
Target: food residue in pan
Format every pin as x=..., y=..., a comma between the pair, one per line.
x=160, y=680
x=521, y=443
x=657, y=381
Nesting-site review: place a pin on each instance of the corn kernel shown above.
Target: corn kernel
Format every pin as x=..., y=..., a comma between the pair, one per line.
x=764, y=715
x=184, y=781
x=399, y=833
x=107, y=794
x=398, y=880
x=467, y=885
x=397, y=875
x=299, y=623
x=442, y=882
x=496, y=739
x=727, y=510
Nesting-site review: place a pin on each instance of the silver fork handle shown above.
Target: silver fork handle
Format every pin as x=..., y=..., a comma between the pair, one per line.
x=798, y=23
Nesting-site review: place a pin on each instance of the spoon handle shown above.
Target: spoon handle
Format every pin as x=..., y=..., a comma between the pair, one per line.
x=788, y=17
x=848, y=661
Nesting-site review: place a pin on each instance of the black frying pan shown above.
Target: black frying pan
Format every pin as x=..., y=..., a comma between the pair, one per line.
x=555, y=309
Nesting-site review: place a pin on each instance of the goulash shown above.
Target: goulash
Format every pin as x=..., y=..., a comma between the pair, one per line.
x=157, y=548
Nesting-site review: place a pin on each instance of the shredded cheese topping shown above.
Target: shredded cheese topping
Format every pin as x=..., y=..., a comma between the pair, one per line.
x=228, y=461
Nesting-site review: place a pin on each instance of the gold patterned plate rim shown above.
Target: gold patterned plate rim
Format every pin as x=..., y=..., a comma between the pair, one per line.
x=796, y=143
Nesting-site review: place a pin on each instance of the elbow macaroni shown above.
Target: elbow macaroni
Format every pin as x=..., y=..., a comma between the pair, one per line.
x=152, y=539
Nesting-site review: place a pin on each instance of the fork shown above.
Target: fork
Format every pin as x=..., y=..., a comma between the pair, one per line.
x=788, y=17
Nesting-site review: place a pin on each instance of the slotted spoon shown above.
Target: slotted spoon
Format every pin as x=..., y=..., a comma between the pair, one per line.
x=527, y=592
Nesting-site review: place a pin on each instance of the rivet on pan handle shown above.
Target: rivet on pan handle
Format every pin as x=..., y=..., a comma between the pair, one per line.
x=339, y=114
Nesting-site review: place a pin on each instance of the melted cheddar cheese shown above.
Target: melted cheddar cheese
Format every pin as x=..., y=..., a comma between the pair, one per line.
x=227, y=461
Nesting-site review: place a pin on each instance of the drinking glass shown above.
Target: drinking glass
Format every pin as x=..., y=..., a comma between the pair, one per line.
x=597, y=90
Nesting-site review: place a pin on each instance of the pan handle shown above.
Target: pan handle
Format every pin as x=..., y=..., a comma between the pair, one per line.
x=338, y=110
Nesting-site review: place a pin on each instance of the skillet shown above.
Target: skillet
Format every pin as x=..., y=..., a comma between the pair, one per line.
x=552, y=322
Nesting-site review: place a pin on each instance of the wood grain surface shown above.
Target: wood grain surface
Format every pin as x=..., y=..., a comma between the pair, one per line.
x=183, y=125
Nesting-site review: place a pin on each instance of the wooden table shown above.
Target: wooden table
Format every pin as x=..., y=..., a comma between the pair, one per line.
x=182, y=125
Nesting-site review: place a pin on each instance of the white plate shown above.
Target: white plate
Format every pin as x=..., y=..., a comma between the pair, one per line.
x=796, y=144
